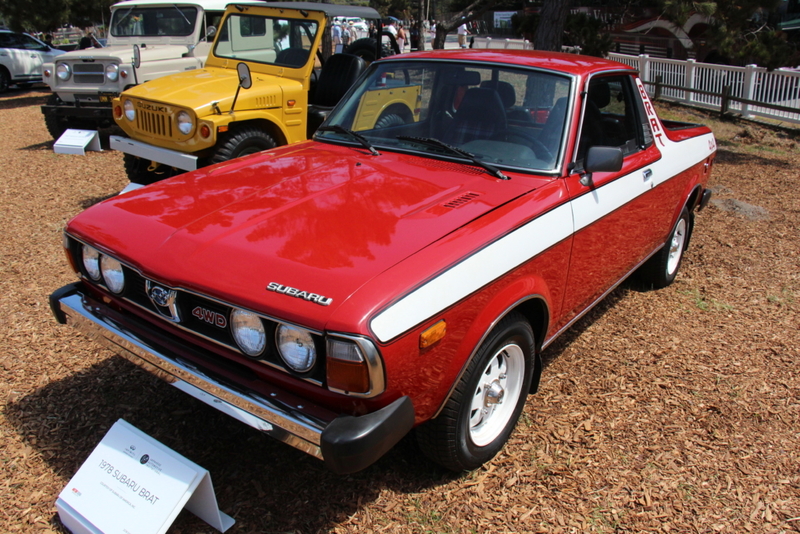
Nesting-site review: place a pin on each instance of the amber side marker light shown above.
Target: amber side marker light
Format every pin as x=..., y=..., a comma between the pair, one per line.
x=432, y=334
x=291, y=103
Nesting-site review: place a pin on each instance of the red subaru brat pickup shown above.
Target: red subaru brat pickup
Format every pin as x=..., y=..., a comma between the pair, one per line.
x=403, y=271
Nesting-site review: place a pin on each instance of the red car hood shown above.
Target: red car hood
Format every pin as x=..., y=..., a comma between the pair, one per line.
x=321, y=218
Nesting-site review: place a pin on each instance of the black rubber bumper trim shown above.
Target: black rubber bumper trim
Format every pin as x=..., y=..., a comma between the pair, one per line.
x=104, y=113
x=704, y=199
x=350, y=444
x=57, y=295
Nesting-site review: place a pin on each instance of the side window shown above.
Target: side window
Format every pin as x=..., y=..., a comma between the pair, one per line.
x=611, y=116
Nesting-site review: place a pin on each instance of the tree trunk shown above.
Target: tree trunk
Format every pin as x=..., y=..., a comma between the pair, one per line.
x=550, y=29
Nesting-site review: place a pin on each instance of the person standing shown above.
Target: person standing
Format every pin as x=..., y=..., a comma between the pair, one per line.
x=462, y=35
x=401, y=37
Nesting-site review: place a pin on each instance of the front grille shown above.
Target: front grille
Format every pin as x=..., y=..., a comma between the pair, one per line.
x=93, y=73
x=154, y=124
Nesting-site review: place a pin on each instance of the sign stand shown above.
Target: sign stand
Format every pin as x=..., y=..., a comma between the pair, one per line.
x=77, y=141
x=132, y=484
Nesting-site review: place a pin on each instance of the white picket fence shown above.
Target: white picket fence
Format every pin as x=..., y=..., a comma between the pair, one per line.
x=779, y=87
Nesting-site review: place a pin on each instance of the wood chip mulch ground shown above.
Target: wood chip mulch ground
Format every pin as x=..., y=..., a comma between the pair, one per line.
x=662, y=411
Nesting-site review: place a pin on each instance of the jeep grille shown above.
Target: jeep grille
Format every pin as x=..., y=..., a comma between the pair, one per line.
x=94, y=73
x=154, y=124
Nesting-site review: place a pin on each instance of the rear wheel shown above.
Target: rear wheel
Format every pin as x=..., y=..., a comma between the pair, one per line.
x=5, y=80
x=485, y=405
x=661, y=270
x=138, y=171
x=242, y=142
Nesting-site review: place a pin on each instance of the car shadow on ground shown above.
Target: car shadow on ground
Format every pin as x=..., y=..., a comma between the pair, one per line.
x=736, y=158
x=264, y=484
x=14, y=100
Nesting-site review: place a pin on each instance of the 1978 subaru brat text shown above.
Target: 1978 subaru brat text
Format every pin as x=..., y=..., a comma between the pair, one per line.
x=397, y=272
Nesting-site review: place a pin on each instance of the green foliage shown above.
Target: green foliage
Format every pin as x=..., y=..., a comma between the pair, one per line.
x=587, y=32
x=49, y=15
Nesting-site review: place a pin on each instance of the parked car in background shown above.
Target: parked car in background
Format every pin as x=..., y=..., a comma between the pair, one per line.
x=337, y=293
x=147, y=39
x=192, y=119
x=21, y=59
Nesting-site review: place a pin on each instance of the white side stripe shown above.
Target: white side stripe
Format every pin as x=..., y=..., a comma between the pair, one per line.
x=535, y=237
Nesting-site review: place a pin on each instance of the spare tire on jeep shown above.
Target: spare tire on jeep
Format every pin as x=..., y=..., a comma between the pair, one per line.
x=365, y=48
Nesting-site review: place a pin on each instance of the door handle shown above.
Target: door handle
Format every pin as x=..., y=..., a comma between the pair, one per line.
x=647, y=174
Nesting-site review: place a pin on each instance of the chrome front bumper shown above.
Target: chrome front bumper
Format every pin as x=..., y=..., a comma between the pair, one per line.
x=172, y=158
x=346, y=443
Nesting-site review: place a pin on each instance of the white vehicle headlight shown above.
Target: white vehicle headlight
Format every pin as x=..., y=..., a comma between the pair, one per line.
x=185, y=124
x=296, y=347
x=130, y=111
x=63, y=71
x=112, y=274
x=112, y=73
x=91, y=262
x=248, y=331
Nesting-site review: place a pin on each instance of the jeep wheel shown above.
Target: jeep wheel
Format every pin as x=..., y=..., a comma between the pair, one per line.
x=242, y=142
x=5, y=80
x=138, y=173
x=55, y=125
x=485, y=405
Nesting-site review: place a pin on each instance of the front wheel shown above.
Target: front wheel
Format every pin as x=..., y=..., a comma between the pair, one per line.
x=661, y=270
x=5, y=80
x=242, y=142
x=56, y=125
x=485, y=405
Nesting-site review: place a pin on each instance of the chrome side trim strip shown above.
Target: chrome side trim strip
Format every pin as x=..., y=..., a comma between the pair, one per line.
x=282, y=421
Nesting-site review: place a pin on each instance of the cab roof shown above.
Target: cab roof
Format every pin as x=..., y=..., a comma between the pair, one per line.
x=331, y=10
x=556, y=61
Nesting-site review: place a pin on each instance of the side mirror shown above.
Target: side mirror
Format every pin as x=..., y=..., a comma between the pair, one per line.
x=211, y=31
x=601, y=159
x=137, y=56
x=244, y=75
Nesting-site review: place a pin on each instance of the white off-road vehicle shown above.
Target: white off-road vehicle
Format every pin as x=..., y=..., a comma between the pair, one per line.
x=170, y=36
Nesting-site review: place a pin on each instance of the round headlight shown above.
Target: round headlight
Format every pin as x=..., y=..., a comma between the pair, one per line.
x=63, y=71
x=248, y=331
x=130, y=111
x=112, y=274
x=112, y=73
x=185, y=124
x=91, y=262
x=296, y=347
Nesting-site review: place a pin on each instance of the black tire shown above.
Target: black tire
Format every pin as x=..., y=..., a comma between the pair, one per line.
x=365, y=49
x=242, y=142
x=5, y=80
x=55, y=125
x=661, y=269
x=396, y=115
x=137, y=170
x=472, y=427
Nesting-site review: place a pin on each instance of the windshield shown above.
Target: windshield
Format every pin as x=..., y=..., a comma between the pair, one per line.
x=153, y=21
x=510, y=117
x=285, y=42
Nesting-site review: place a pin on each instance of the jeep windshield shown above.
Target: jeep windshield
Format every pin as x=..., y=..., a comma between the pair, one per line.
x=137, y=21
x=269, y=40
x=505, y=116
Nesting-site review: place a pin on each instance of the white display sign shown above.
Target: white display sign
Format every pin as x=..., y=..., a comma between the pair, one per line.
x=132, y=484
x=77, y=142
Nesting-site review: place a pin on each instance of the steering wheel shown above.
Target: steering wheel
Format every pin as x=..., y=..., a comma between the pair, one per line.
x=541, y=151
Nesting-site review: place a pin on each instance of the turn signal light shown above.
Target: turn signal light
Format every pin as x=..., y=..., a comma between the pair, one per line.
x=291, y=103
x=205, y=131
x=432, y=334
x=123, y=73
x=352, y=377
x=46, y=73
x=117, y=112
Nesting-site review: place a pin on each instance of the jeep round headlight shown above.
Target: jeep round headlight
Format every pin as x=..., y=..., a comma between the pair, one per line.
x=112, y=274
x=130, y=111
x=296, y=348
x=63, y=71
x=91, y=262
x=112, y=73
x=185, y=124
x=248, y=331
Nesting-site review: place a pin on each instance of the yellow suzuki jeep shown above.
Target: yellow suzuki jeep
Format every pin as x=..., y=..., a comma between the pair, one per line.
x=259, y=89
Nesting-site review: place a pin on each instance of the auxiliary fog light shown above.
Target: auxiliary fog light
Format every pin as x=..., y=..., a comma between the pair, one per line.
x=296, y=347
x=248, y=331
x=112, y=274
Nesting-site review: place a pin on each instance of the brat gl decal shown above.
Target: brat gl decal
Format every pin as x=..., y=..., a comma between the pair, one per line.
x=294, y=292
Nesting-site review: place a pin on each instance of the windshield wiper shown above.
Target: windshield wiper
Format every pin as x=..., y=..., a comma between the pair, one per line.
x=358, y=137
x=182, y=15
x=430, y=141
